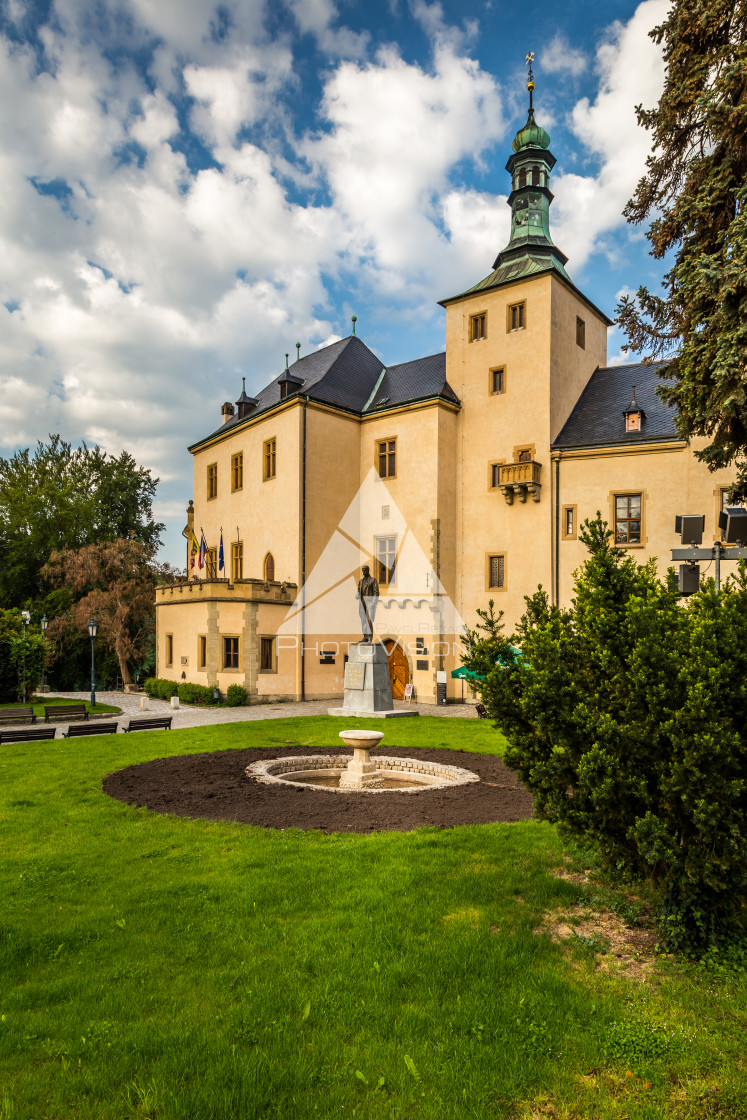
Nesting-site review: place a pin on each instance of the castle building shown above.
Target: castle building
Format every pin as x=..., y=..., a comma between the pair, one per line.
x=458, y=478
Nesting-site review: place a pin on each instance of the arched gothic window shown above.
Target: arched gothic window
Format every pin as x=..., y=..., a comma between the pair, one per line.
x=269, y=568
x=536, y=177
x=522, y=178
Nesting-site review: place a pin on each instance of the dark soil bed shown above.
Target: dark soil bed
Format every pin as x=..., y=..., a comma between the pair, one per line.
x=214, y=786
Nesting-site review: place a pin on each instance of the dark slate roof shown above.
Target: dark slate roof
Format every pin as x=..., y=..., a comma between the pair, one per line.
x=413, y=381
x=349, y=375
x=597, y=417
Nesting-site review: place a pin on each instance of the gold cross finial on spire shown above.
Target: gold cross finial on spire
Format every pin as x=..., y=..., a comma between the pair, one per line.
x=530, y=82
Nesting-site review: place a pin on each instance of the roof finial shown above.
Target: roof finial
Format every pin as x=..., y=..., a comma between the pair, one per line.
x=530, y=81
x=286, y=361
x=243, y=384
x=354, y=320
x=298, y=350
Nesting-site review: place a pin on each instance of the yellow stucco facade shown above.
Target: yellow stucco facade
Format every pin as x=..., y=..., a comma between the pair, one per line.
x=459, y=478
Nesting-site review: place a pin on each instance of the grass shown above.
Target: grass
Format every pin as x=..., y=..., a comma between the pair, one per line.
x=38, y=706
x=168, y=969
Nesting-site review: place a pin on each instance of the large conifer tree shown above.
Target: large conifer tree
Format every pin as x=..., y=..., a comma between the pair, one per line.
x=695, y=192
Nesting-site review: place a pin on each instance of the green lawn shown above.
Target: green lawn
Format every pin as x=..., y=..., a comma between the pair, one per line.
x=170, y=969
x=38, y=706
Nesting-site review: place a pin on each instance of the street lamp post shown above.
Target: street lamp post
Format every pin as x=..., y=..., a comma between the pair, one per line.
x=92, y=629
x=44, y=625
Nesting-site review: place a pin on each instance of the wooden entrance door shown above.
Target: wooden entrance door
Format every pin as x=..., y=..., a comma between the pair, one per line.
x=399, y=669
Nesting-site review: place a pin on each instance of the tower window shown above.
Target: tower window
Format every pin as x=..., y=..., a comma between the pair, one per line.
x=269, y=568
x=627, y=519
x=202, y=651
x=536, y=177
x=497, y=381
x=569, y=523
x=237, y=471
x=230, y=653
x=267, y=662
x=478, y=327
x=386, y=450
x=212, y=481
x=211, y=563
x=522, y=178
x=580, y=333
x=386, y=550
x=269, y=459
x=237, y=560
x=516, y=317
x=497, y=572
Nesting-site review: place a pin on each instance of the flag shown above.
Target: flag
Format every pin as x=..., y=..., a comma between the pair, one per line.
x=203, y=550
x=221, y=565
x=194, y=549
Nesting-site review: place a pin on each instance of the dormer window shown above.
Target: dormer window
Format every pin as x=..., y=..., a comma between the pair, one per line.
x=289, y=385
x=634, y=415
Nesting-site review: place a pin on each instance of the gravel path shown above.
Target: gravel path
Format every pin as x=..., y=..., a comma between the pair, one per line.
x=189, y=716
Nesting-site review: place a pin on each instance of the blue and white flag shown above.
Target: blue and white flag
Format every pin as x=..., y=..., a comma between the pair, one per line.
x=221, y=564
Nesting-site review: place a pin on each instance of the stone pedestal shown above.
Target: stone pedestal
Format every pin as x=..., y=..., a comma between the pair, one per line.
x=361, y=771
x=368, y=689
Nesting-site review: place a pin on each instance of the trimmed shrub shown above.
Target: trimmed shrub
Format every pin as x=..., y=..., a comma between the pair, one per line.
x=627, y=719
x=159, y=688
x=236, y=696
x=195, y=693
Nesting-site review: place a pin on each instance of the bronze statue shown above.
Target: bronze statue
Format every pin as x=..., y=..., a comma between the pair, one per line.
x=368, y=597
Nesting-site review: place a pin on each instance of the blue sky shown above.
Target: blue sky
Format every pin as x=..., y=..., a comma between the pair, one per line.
x=191, y=188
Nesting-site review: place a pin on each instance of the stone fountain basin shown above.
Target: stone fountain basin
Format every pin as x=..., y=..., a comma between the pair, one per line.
x=322, y=772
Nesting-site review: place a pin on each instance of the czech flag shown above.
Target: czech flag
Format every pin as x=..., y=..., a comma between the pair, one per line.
x=203, y=550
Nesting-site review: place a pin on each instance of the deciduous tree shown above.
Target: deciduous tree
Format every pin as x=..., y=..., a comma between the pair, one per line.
x=60, y=497
x=115, y=582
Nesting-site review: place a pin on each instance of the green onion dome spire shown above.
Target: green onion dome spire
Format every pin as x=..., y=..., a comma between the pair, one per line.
x=531, y=135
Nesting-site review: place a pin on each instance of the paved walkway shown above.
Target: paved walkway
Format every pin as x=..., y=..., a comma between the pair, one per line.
x=188, y=715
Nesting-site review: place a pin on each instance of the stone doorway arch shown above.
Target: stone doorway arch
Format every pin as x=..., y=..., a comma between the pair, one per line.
x=399, y=668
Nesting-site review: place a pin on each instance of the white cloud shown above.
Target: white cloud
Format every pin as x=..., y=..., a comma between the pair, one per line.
x=559, y=57
x=631, y=71
x=145, y=291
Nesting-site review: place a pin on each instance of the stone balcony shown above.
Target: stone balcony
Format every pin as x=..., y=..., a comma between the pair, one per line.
x=520, y=479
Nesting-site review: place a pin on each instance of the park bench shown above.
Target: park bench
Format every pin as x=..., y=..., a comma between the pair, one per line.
x=10, y=715
x=481, y=713
x=64, y=711
x=77, y=729
x=154, y=723
x=27, y=734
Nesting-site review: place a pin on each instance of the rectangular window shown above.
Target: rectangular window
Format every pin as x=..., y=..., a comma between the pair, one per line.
x=580, y=333
x=212, y=481
x=516, y=317
x=202, y=651
x=237, y=471
x=524, y=455
x=386, y=451
x=478, y=327
x=568, y=523
x=386, y=551
x=230, y=653
x=211, y=563
x=267, y=655
x=627, y=519
x=268, y=470
x=495, y=475
x=496, y=572
x=169, y=649
x=497, y=381
x=237, y=560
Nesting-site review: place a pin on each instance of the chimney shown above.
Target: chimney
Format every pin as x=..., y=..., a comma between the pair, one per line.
x=226, y=412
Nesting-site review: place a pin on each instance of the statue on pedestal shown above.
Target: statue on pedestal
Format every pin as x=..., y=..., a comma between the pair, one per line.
x=368, y=597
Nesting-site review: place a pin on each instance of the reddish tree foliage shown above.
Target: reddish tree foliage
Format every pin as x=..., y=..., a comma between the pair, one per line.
x=117, y=581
